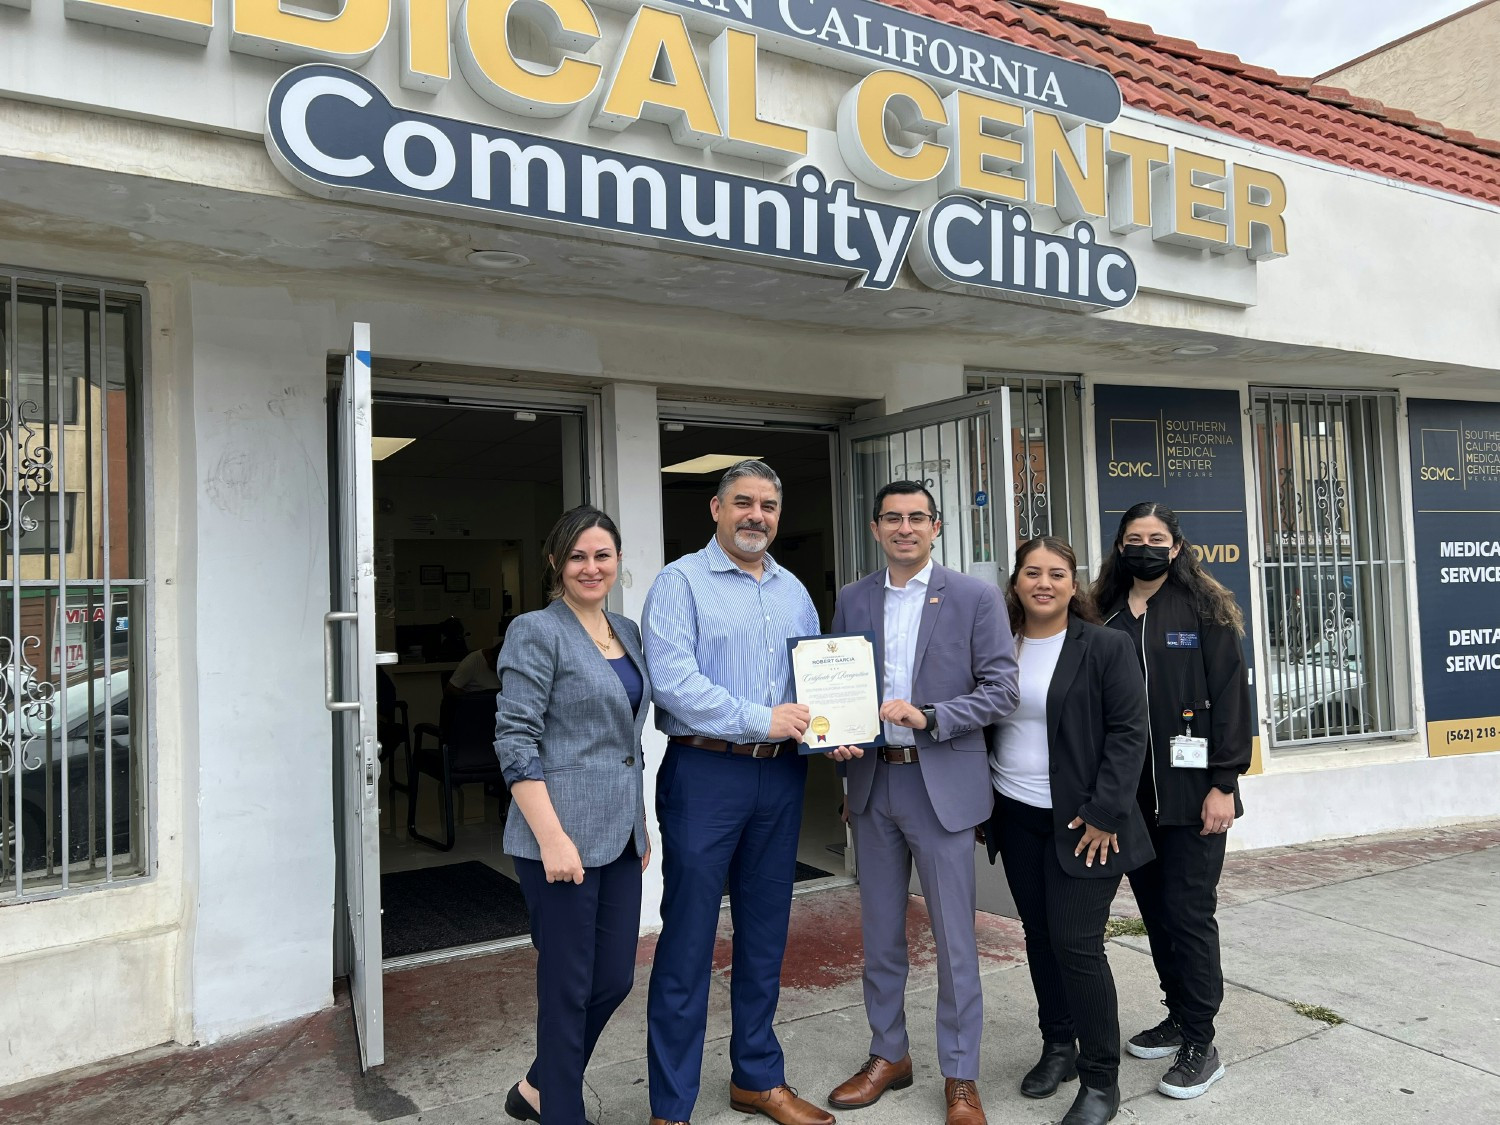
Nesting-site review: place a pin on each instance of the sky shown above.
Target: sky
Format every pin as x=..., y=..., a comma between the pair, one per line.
x=1295, y=37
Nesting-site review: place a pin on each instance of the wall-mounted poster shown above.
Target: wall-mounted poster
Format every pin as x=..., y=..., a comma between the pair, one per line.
x=1184, y=449
x=1455, y=487
x=431, y=574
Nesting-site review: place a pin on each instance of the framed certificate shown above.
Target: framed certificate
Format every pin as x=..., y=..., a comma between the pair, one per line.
x=836, y=677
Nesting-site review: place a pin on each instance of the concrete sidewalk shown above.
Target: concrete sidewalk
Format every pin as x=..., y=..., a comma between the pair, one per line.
x=1398, y=936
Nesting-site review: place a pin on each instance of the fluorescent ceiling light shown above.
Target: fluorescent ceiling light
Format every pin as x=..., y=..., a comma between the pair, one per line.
x=383, y=447
x=708, y=463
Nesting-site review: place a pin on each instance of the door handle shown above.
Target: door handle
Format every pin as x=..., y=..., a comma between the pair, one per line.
x=329, y=690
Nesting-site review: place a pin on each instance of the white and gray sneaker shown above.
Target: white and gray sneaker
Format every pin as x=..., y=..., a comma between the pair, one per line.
x=1156, y=1042
x=1196, y=1069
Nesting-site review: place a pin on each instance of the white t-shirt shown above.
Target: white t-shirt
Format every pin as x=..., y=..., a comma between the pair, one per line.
x=475, y=673
x=1019, y=764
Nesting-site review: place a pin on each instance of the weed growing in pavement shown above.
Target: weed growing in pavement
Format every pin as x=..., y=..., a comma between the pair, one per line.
x=1318, y=1012
x=1124, y=927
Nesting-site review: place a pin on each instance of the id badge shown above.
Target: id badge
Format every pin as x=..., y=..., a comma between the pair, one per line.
x=1189, y=753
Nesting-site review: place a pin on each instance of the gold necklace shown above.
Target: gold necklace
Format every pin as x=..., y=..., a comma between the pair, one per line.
x=609, y=631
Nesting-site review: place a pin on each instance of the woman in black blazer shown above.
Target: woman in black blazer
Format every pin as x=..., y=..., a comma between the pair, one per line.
x=1065, y=765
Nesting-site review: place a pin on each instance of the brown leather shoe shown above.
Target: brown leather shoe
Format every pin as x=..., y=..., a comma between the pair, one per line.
x=781, y=1104
x=871, y=1080
x=963, y=1102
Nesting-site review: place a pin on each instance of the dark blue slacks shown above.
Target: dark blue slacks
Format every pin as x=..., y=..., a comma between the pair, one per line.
x=724, y=818
x=585, y=937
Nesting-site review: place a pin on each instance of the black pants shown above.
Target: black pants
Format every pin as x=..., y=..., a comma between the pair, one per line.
x=1064, y=918
x=1178, y=893
x=585, y=937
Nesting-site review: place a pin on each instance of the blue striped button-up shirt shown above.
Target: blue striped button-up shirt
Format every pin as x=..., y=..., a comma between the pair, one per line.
x=715, y=642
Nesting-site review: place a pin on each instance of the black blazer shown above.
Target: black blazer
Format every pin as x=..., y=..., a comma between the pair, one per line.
x=1096, y=741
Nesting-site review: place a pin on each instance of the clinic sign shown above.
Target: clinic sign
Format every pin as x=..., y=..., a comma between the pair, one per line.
x=1011, y=158
x=1455, y=471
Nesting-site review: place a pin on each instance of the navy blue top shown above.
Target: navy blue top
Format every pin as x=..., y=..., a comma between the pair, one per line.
x=630, y=679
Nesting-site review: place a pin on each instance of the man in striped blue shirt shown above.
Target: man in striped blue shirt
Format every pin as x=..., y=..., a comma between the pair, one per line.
x=728, y=797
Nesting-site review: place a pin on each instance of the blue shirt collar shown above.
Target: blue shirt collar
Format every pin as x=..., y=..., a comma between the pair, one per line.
x=718, y=559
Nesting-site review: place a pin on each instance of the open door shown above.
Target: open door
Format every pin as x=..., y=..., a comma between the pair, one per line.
x=349, y=670
x=961, y=451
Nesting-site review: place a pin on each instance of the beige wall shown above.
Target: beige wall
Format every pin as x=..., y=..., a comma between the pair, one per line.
x=1447, y=73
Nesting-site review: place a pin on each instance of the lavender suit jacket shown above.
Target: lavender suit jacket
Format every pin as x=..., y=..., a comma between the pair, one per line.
x=965, y=667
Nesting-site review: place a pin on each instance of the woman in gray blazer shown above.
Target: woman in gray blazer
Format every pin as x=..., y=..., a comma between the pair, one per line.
x=573, y=696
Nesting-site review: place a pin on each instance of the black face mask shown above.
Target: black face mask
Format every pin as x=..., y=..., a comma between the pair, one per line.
x=1145, y=563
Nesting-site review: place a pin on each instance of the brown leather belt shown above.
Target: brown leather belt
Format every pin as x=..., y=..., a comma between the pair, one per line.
x=748, y=749
x=898, y=755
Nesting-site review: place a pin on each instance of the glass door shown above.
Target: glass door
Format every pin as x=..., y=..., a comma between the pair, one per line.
x=961, y=451
x=349, y=670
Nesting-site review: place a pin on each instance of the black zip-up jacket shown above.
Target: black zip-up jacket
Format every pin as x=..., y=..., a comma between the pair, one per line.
x=1201, y=669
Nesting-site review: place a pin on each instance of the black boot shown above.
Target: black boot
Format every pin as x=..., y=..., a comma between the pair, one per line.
x=1058, y=1064
x=1093, y=1106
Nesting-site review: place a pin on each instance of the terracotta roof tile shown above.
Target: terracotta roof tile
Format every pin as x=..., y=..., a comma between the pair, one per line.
x=1177, y=78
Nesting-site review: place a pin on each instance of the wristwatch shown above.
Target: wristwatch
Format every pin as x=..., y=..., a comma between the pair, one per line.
x=930, y=714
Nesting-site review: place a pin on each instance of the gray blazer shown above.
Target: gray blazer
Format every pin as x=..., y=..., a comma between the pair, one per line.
x=562, y=704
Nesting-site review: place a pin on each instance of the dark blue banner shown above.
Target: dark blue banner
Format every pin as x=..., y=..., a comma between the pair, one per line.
x=1455, y=484
x=332, y=132
x=886, y=37
x=1185, y=449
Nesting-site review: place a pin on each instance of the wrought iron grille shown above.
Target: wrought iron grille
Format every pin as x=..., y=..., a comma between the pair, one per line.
x=1333, y=566
x=1046, y=439
x=952, y=460
x=73, y=805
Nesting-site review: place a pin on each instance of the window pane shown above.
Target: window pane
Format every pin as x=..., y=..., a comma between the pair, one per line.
x=73, y=778
x=1333, y=565
x=68, y=738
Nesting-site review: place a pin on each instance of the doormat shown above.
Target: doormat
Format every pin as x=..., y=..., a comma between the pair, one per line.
x=441, y=907
x=806, y=871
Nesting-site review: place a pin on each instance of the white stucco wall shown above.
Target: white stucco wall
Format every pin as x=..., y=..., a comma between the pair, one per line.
x=1446, y=73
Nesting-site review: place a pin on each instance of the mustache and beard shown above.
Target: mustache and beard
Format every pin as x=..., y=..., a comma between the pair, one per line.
x=752, y=536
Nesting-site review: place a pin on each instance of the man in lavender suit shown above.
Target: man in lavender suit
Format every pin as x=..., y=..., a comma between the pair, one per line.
x=949, y=670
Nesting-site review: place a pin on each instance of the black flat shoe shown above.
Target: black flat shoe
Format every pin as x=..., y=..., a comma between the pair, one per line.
x=518, y=1107
x=1093, y=1106
x=1058, y=1064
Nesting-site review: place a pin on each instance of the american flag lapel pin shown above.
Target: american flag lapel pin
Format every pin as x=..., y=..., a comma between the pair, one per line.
x=933, y=601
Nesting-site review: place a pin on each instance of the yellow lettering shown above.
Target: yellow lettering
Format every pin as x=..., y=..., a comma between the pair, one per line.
x=1259, y=222
x=1189, y=202
x=983, y=151
x=867, y=146
x=1130, y=162
x=263, y=27
x=657, y=43
x=1079, y=192
x=424, y=45
x=490, y=64
x=191, y=21
x=733, y=82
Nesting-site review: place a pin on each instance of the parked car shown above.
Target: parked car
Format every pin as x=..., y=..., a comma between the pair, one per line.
x=88, y=731
x=1325, y=695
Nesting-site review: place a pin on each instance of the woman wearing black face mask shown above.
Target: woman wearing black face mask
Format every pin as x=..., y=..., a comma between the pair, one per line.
x=1186, y=630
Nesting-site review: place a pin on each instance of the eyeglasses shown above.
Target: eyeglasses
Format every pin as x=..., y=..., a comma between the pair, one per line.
x=917, y=520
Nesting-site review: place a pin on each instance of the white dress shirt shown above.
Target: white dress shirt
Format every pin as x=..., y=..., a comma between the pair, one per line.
x=1021, y=764
x=903, y=617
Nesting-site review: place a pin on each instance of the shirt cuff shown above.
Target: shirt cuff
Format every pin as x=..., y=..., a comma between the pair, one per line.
x=757, y=724
x=531, y=771
x=1226, y=778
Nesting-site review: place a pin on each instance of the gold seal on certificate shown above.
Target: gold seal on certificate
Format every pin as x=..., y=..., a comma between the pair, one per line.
x=836, y=677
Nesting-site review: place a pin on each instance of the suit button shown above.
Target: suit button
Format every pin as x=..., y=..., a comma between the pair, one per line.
x=630, y=761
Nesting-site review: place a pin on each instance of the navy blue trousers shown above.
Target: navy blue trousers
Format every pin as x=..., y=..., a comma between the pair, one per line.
x=585, y=938
x=724, y=818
